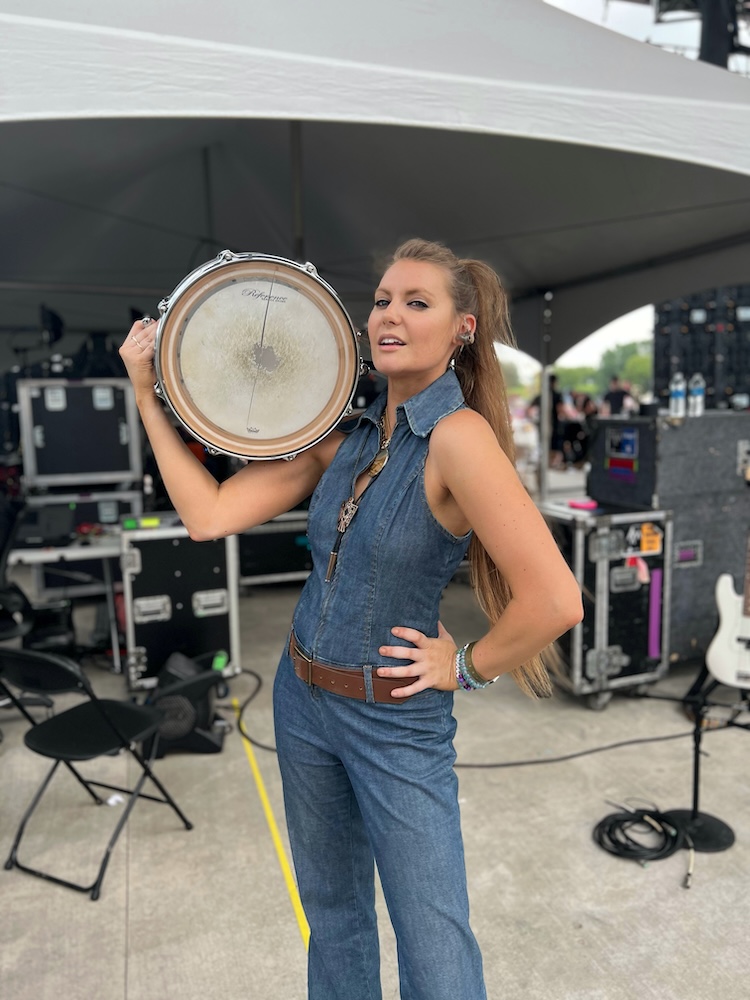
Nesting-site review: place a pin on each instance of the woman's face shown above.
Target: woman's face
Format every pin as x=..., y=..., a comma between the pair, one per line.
x=413, y=325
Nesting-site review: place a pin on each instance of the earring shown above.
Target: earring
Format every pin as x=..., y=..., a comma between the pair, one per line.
x=467, y=337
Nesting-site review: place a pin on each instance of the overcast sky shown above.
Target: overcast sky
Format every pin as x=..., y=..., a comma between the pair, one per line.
x=637, y=21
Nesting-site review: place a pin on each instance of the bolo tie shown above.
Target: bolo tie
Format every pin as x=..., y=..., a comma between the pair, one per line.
x=350, y=506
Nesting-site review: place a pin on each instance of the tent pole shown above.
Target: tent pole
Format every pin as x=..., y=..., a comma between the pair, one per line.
x=295, y=154
x=545, y=430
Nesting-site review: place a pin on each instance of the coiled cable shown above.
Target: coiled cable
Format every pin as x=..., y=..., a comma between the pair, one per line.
x=642, y=835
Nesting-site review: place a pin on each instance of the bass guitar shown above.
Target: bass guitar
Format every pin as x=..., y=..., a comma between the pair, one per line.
x=728, y=655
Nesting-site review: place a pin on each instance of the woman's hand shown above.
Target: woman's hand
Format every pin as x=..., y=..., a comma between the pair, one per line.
x=432, y=661
x=137, y=352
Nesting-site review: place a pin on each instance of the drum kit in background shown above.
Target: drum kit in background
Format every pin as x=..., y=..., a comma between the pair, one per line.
x=256, y=356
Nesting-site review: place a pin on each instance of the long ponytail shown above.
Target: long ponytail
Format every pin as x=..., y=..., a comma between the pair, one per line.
x=477, y=289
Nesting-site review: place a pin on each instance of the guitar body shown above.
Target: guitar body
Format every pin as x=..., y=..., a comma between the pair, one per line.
x=728, y=655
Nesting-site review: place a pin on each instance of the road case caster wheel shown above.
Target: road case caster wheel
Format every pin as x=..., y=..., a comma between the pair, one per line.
x=599, y=701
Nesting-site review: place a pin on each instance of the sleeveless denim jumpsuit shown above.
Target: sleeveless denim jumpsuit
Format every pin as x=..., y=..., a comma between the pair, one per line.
x=368, y=781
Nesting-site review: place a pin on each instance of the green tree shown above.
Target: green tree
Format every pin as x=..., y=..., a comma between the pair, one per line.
x=615, y=362
x=581, y=379
x=639, y=371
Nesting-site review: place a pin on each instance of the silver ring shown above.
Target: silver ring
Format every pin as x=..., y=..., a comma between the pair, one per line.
x=146, y=320
x=135, y=341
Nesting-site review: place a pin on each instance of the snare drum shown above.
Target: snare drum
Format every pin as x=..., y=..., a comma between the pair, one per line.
x=256, y=356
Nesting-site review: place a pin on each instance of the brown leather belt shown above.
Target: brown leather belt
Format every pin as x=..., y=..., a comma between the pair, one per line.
x=349, y=683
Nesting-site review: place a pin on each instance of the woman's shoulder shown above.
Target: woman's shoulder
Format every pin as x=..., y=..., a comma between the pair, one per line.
x=464, y=448
x=462, y=421
x=462, y=432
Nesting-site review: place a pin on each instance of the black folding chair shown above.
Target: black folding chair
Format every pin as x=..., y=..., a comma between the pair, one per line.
x=94, y=728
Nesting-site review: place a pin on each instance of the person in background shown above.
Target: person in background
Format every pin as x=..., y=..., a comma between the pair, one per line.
x=578, y=432
x=630, y=404
x=555, y=457
x=364, y=690
x=617, y=399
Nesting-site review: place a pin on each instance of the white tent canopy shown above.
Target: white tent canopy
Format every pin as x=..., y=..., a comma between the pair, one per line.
x=138, y=139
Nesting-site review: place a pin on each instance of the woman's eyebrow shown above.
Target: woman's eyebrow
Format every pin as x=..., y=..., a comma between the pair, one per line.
x=408, y=293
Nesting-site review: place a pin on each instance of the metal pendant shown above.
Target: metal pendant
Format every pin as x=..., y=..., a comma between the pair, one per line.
x=348, y=509
x=378, y=463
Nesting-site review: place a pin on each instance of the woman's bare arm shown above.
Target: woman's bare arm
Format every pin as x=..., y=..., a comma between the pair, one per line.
x=546, y=598
x=208, y=509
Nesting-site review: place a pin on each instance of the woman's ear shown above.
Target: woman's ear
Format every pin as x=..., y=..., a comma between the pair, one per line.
x=467, y=330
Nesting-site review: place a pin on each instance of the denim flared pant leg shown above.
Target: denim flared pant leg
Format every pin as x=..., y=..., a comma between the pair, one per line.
x=364, y=781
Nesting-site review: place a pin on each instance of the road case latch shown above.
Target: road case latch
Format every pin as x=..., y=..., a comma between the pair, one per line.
x=604, y=663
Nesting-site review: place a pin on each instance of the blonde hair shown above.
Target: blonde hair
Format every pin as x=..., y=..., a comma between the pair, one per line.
x=477, y=289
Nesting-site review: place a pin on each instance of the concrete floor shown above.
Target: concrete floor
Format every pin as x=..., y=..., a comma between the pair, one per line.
x=210, y=914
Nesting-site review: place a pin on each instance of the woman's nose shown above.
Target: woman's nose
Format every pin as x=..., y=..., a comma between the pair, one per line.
x=391, y=313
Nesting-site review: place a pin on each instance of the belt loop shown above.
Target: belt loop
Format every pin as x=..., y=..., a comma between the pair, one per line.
x=369, y=693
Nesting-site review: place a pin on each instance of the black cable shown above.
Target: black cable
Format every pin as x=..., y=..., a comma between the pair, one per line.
x=240, y=724
x=489, y=765
x=619, y=834
x=580, y=753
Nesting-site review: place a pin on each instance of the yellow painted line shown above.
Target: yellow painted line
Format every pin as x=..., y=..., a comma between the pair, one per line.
x=286, y=870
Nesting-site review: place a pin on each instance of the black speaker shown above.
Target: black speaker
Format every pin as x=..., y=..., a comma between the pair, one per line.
x=708, y=332
x=190, y=719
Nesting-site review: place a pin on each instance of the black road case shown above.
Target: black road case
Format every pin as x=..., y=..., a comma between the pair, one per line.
x=79, y=433
x=181, y=596
x=621, y=562
x=699, y=469
x=277, y=551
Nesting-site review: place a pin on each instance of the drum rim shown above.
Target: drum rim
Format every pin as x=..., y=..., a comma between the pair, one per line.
x=308, y=270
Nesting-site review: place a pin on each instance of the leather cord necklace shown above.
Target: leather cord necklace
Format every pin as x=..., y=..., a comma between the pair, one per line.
x=350, y=506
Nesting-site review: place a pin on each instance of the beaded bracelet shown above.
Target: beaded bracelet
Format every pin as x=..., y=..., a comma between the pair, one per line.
x=463, y=682
x=466, y=673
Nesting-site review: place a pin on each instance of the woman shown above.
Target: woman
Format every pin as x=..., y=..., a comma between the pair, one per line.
x=364, y=690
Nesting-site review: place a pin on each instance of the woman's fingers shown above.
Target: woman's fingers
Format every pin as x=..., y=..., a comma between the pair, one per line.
x=137, y=353
x=431, y=660
x=142, y=332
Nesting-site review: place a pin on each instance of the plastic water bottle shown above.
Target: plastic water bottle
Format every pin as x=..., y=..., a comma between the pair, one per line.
x=696, y=395
x=677, y=389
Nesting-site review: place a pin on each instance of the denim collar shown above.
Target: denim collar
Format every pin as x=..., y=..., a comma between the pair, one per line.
x=423, y=411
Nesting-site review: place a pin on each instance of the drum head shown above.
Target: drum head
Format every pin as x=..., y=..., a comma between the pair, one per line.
x=256, y=356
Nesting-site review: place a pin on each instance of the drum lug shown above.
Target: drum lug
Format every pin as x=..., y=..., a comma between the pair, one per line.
x=225, y=255
x=163, y=306
x=363, y=367
x=289, y=458
x=310, y=268
x=158, y=389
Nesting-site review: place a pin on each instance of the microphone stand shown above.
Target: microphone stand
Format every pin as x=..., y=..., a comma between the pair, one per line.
x=706, y=833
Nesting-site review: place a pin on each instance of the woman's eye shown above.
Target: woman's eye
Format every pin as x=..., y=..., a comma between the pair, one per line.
x=381, y=303
x=418, y=303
